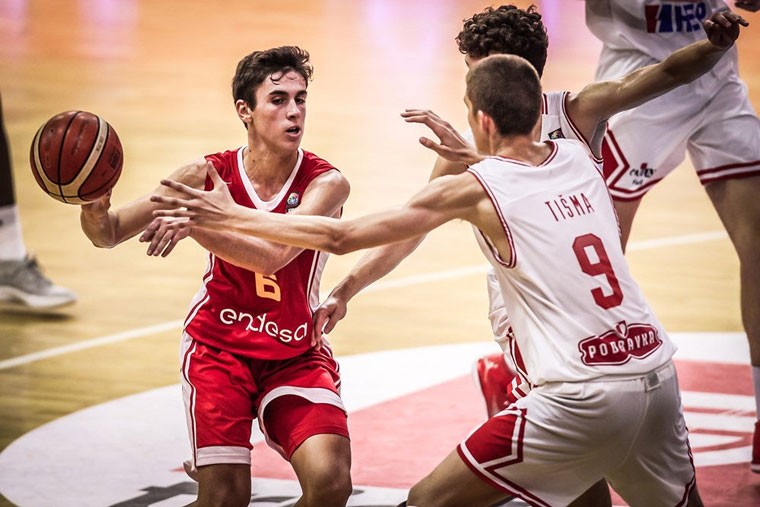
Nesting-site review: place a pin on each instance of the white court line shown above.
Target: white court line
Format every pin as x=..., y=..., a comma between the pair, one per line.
x=391, y=284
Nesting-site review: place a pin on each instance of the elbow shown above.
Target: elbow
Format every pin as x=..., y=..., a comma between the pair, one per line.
x=107, y=243
x=340, y=242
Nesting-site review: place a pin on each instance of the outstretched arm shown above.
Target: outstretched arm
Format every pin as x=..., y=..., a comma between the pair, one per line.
x=379, y=261
x=599, y=101
x=440, y=201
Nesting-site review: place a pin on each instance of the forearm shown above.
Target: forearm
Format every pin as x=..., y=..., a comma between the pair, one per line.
x=251, y=253
x=99, y=227
x=374, y=265
x=691, y=62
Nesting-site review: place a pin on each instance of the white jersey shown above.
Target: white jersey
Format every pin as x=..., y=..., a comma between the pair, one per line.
x=576, y=312
x=653, y=30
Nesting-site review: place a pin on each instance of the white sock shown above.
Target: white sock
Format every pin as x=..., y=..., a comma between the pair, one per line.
x=11, y=242
x=756, y=382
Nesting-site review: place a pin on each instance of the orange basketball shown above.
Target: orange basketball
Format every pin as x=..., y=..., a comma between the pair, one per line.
x=76, y=157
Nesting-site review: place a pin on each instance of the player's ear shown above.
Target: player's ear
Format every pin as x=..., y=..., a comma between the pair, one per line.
x=485, y=122
x=244, y=111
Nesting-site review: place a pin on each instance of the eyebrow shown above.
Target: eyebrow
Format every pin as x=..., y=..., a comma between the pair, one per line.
x=283, y=92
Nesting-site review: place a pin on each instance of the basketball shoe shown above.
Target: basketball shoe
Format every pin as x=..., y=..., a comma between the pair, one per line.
x=23, y=285
x=492, y=376
x=755, y=463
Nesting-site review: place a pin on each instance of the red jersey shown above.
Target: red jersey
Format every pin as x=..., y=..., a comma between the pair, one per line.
x=253, y=314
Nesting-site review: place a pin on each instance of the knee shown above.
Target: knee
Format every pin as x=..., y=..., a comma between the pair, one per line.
x=328, y=489
x=417, y=497
x=222, y=497
x=224, y=494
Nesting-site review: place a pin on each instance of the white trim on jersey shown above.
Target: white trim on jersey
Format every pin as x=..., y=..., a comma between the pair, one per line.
x=189, y=345
x=274, y=201
x=201, y=297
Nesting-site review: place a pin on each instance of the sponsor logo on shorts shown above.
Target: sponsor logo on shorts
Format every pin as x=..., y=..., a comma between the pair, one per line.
x=260, y=324
x=619, y=345
x=640, y=175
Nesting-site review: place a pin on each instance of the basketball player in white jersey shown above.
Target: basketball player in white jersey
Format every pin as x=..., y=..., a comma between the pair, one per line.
x=246, y=346
x=604, y=401
x=712, y=119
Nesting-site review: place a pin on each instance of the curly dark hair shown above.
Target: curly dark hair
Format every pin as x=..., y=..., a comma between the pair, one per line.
x=254, y=68
x=506, y=30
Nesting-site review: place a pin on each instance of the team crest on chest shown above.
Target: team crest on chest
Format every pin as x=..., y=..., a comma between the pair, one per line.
x=293, y=201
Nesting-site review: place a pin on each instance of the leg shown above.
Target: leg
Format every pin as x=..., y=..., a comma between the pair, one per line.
x=452, y=483
x=22, y=284
x=597, y=495
x=492, y=375
x=739, y=209
x=626, y=211
x=223, y=486
x=323, y=466
x=694, y=499
x=314, y=438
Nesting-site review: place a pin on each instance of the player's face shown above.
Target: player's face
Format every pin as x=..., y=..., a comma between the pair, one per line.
x=280, y=112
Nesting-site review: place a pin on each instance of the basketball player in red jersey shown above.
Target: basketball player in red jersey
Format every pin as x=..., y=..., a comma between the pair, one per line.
x=246, y=346
x=604, y=401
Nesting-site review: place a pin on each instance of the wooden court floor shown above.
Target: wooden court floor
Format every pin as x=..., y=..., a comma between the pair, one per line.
x=159, y=72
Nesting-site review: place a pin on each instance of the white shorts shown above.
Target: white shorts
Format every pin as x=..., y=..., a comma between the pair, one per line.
x=552, y=445
x=712, y=119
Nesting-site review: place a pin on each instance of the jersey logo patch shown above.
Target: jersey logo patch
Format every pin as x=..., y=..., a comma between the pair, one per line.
x=293, y=201
x=556, y=134
x=619, y=345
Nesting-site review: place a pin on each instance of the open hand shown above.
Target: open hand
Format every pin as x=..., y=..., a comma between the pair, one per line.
x=452, y=147
x=201, y=208
x=163, y=235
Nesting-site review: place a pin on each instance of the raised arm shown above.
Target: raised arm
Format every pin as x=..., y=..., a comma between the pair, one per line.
x=599, y=101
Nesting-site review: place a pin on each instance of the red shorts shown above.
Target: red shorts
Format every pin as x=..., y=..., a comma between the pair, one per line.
x=224, y=393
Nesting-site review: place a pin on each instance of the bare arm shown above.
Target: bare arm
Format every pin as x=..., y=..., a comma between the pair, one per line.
x=440, y=201
x=324, y=196
x=381, y=260
x=107, y=228
x=599, y=101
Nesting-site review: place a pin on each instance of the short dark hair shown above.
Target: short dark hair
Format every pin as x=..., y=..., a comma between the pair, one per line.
x=253, y=69
x=507, y=88
x=506, y=30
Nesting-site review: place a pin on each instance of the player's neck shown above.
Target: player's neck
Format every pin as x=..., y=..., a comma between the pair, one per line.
x=268, y=170
x=522, y=148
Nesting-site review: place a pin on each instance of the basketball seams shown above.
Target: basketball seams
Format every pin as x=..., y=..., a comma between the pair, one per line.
x=59, y=171
x=88, y=179
x=95, y=153
x=110, y=133
x=39, y=171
